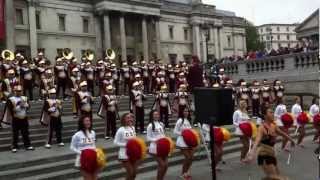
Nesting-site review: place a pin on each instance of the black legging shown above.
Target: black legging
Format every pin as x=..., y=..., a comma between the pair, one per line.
x=55, y=125
x=139, y=118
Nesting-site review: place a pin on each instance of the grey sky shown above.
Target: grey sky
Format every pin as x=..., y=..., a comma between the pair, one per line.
x=269, y=11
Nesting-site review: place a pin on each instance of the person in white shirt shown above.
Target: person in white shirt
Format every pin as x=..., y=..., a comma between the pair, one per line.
x=281, y=109
x=313, y=111
x=296, y=110
x=155, y=131
x=241, y=116
x=182, y=124
x=84, y=139
x=123, y=135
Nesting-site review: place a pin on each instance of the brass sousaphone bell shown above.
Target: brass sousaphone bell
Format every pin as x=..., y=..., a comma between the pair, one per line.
x=67, y=53
x=89, y=55
x=7, y=55
x=110, y=54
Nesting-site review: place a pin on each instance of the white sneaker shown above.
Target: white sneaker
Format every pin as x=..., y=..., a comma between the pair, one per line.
x=48, y=146
x=14, y=150
x=144, y=132
x=107, y=137
x=61, y=144
x=30, y=148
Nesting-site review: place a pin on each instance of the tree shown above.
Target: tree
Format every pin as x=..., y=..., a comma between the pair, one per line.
x=253, y=38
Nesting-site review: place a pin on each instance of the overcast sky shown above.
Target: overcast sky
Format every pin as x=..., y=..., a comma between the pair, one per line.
x=269, y=11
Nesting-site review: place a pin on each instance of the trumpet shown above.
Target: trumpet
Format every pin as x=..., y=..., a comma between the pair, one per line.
x=7, y=55
x=110, y=54
x=67, y=54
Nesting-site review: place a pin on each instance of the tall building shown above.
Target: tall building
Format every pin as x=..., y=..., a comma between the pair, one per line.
x=171, y=30
x=278, y=35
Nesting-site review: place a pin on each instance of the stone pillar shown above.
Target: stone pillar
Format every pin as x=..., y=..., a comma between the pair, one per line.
x=158, y=43
x=137, y=36
x=196, y=40
x=107, y=33
x=204, y=47
x=244, y=42
x=33, y=40
x=234, y=42
x=216, y=42
x=97, y=24
x=145, y=39
x=123, y=39
x=220, y=43
x=10, y=25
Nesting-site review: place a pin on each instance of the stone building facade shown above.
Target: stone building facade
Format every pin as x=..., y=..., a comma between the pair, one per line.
x=171, y=30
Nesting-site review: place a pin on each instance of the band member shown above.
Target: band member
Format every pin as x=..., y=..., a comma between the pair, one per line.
x=216, y=84
x=206, y=81
x=7, y=63
x=137, y=107
x=125, y=75
x=155, y=132
x=123, y=135
x=108, y=80
x=109, y=111
x=313, y=111
x=264, y=146
x=162, y=103
x=296, y=110
x=241, y=116
x=280, y=110
x=116, y=77
x=255, y=97
x=134, y=69
x=221, y=75
x=9, y=83
x=188, y=152
x=83, y=140
x=61, y=72
x=47, y=82
x=88, y=73
x=181, y=79
x=161, y=80
x=26, y=75
x=74, y=82
x=84, y=101
x=145, y=74
x=243, y=93
x=153, y=71
x=266, y=91
x=51, y=117
x=181, y=100
x=230, y=85
x=40, y=73
x=100, y=72
x=278, y=89
x=15, y=113
x=172, y=79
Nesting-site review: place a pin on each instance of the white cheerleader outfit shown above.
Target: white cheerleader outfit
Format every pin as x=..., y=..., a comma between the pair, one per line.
x=178, y=130
x=81, y=142
x=296, y=110
x=123, y=135
x=314, y=110
x=154, y=135
x=239, y=118
x=281, y=109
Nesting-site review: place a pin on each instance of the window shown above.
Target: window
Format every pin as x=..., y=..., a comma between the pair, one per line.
x=85, y=24
x=187, y=58
x=59, y=52
x=62, y=22
x=229, y=41
x=288, y=37
x=19, y=17
x=287, y=29
x=289, y=45
x=278, y=37
x=171, y=32
x=38, y=20
x=268, y=37
x=186, y=34
x=278, y=28
x=173, y=58
x=261, y=30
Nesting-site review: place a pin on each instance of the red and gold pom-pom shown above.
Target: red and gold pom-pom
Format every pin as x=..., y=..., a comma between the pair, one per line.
x=254, y=129
x=287, y=120
x=303, y=118
x=316, y=119
x=246, y=129
x=165, y=147
x=88, y=161
x=218, y=135
x=226, y=134
x=191, y=137
x=136, y=149
x=101, y=158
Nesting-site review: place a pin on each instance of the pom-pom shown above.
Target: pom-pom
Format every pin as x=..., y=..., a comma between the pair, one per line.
x=88, y=161
x=303, y=118
x=246, y=129
x=226, y=134
x=287, y=120
x=101, y=158
x=218, y=135
x=254, y=129
x=136, y=149
x=191, y=137
x=165, y=147
x=316, y=119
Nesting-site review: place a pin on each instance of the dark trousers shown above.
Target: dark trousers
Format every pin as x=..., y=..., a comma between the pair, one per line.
x=20, y=125
x=139, y=113
x=126, y=86
x=61, y=83
x=56, y=126
x=116, y=85
x=28, y=88
x=91, y=86
x=111, y=124
x=172, y=85
x=255, y=107
x=164, y=116
x=146, y=83
x=180, y=110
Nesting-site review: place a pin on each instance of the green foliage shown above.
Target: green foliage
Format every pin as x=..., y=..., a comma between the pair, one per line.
x=252, y=38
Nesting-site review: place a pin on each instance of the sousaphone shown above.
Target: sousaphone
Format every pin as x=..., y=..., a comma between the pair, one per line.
x=110, y=54
x=89, y=55
x=7, y=55
x=67, y=53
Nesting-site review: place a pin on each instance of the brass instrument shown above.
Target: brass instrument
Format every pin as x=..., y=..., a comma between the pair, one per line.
x=110, y=54
x=7, y=55
x=89, y=55
x=67, y=54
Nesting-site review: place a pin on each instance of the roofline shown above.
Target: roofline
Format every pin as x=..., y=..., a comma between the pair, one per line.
x=306, y=20
x=280, y=24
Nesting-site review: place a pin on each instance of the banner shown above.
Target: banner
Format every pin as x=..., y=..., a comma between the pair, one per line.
x=2, y=20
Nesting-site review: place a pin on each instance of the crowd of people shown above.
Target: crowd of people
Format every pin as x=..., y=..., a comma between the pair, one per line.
x=68, y=78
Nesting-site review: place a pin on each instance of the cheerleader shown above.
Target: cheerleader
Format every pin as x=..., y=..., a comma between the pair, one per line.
x=82, y=140
x=241, y=116
x=281, y=109
x=184, y=123
x=296, y=110
x=155, y=132
x=313, y=111
x=123, y=135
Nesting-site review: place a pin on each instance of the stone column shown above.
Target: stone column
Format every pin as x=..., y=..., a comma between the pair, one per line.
x=158, y=43
x=234, y=42
x=204, y=47
x=97, y=24
x=10, y=25
x=145, y=39
x=32, y=29
x=137, y=36
x=244, y=42
x=196, y=40
x=107, y=33
x=123, y=39
x=216, y=42
x=220, y=43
